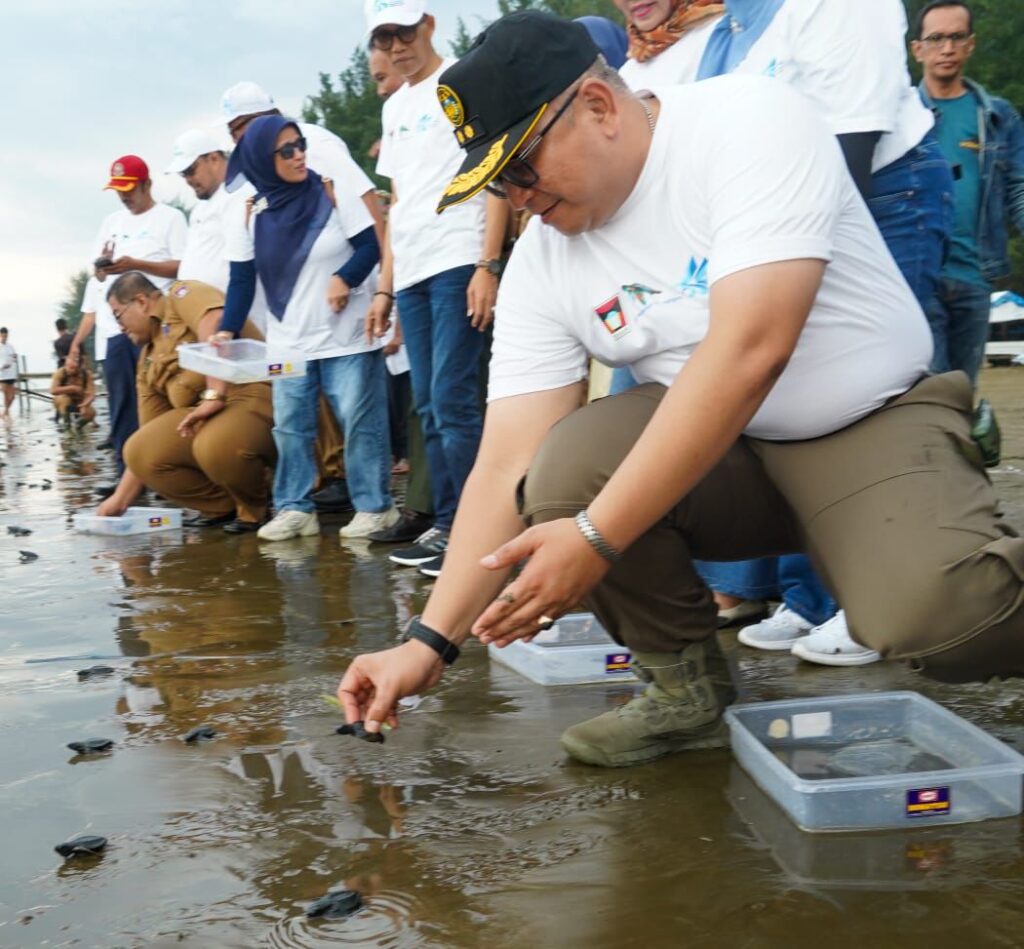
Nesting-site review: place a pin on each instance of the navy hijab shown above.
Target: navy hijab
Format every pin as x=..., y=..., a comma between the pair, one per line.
x=735, y=35
x=289, y=217
x=609, y=37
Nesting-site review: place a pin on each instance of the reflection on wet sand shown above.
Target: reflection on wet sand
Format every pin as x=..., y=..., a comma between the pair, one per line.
x=467, y=828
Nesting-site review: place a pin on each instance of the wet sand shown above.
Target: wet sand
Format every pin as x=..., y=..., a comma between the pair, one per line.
x=468, y=828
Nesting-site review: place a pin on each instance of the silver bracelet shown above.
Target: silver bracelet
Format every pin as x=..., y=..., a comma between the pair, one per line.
x=593, y=537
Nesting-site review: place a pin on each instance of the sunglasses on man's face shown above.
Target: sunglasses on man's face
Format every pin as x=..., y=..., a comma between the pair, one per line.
x=383, y=39
x=288, y=149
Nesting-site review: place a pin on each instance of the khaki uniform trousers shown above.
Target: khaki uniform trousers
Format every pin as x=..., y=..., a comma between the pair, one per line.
x=63, y=404
x=330, y=444
x=896, y=512
x=225, y=468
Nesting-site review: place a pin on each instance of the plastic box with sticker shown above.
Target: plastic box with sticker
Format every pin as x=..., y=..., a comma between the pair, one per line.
x=576, y=650
x=240, y=361
x=874, y=761
x=136, y=520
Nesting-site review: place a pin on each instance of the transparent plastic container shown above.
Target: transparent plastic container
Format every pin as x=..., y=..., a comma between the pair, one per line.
x=136, y=520
x=576, y=650
x=874, y=761
x=240, y=360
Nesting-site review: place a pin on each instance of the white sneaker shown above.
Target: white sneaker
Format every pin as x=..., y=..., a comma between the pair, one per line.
x=779, y=631
x=365, y=523
x=830, y=644
x=289, y=524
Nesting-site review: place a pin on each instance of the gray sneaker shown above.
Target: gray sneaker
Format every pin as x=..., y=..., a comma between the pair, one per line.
x=680, y=710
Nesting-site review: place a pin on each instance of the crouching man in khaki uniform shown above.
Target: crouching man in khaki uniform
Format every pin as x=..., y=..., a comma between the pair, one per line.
x=711, y=238
x=201, y=443
x=74, y=390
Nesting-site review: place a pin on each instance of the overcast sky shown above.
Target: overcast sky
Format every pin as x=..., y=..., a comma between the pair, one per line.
x=90, y=80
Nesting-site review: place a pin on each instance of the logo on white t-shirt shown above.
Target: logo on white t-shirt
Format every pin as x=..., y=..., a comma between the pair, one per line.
x=612, y=317
x=772, y=69
x=695, y=283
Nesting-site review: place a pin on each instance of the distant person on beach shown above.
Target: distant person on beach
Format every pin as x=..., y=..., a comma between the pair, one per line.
x=982, y=138
x=74, y=390
x=8, y=370
x=144, y=236
x=784, y=407
x=62, y=344
x=442, y=275
x=315, y=251
x=201, y=161
x=202, y=443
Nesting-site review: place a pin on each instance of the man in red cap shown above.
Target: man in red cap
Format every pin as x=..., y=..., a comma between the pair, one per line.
x=144, y=236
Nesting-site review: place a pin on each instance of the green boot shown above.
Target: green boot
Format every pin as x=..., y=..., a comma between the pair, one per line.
x=680, y=710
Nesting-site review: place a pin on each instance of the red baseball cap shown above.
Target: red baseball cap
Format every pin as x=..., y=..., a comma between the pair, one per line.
x=126, y=173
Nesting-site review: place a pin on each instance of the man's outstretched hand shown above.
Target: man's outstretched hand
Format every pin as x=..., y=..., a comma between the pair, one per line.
x=376, y=681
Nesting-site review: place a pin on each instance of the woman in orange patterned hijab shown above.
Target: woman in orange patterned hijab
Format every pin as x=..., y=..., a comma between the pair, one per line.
x=655, y=25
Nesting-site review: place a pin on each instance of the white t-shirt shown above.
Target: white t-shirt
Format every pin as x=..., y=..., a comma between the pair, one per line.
x=95, y=301
x=205, y=258
x=849, y=58
x=8, y=363
x=309, y=325
x=160, y=233
x=674, y=66
x=418, y=152
x=741, y=172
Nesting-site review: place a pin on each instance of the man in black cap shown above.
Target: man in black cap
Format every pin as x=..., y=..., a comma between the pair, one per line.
x=710, y=238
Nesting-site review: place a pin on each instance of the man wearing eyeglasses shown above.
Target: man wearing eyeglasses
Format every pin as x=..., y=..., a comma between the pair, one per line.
x=983, y=139
x=200, y=160
x=443, y=274
x=710, y=237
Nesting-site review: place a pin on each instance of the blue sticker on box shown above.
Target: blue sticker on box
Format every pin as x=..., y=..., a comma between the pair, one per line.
x=274, y=369
x=616, y=662
x=927, y=802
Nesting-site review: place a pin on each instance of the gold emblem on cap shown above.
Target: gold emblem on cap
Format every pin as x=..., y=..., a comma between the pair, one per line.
x=470, y=179
x=452, y=105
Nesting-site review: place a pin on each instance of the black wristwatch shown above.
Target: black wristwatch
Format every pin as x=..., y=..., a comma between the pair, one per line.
x=493, y=266
x=445, y=648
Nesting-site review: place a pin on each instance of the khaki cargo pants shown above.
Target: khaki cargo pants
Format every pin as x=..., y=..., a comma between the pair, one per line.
x=895, y=511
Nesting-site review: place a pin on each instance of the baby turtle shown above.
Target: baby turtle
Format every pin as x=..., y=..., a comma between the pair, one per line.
x=357, y=730
x=26, y=556
x=94, y=672
x=91, y=746
x=18, y=531
x=335, y=904
x=201, y=733
x=85, y=844
x=885, y=756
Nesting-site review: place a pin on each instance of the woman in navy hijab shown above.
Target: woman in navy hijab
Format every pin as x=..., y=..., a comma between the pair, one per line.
x=315, y=253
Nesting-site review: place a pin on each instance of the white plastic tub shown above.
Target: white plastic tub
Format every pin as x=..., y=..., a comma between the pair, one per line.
x=136, y=520
x=874, y=761
x=240, y=360
x=574, y=651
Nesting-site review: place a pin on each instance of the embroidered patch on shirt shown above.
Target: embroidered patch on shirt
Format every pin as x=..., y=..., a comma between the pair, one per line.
x=181, y=291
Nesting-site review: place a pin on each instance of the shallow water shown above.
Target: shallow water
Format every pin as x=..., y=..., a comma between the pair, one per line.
x=467, y=828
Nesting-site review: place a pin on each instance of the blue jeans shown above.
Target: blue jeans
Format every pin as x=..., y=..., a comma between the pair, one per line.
x=444, y=361
x=912, y=204
x=959, y=315
x=356, y=388
x=119, y=379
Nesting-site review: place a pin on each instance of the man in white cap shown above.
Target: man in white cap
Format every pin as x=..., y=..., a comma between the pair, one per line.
x=443, y=273
x=199, y=159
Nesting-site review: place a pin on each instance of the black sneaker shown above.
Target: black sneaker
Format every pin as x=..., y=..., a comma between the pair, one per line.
x=333, y=498
x=198, y=519
x=432, y=568
x=238, y=526
x=410, y=526
x=428, y=545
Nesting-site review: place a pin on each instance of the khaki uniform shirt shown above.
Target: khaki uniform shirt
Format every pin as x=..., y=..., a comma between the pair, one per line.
x=83, y=378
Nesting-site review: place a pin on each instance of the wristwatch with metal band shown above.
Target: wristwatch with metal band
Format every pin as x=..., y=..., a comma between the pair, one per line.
x=493, y=266
x=212, y=395
x=593, y=537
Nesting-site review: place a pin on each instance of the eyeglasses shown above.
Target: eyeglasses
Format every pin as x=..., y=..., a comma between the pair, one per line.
x=958, y=40
x=518, y=172
x=383, y=39
x=288, y=149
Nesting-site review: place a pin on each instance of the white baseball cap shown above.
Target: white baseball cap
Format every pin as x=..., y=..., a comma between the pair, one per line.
x=245, y=98
x=189, y=146
x=399, y=12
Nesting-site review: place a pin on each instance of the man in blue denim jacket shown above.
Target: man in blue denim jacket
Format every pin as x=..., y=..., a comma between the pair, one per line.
x=983, y=139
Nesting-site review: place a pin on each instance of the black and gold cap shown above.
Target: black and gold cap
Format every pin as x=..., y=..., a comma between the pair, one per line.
x=496, y=94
